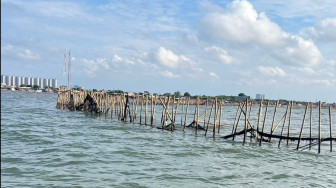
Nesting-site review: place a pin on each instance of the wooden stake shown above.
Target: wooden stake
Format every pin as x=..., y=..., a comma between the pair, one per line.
x=205, y=112
x=330, y=122
x=319, y=133
x=245, y=128
x=275, y=110
x=303, y=122
x=186, y=115
x=146, y=114
x=289, y=122
x=173, y=105
x=196, y=120
x=206, y=130
x=234, y=123
x=311, y=120
x=215, y=118
x=260, y=109
x=220, y=115
x=262, y=131
x=142, y=100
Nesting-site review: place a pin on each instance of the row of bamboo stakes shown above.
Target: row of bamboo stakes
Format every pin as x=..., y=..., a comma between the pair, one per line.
x=125, y=108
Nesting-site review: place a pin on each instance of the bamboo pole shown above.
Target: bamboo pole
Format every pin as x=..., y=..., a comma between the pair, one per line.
x=265, y=116
x=155, y=101
x=186, y=115
x=245, y=128
x=146, y=110
x=330, y=127
x=275, y=110
x=215, y=119
x=319, y=131
x=142, y=100
x=259, y=114
x=234, y=123
x=206, y=130
x=241, y=111
x=173, y=105
x=303, y=122
x=220, y=116
x=205, y=112
x=310, y=122
x=197, y=114
x=289, y=122
x=182, y=113
x=283, y=125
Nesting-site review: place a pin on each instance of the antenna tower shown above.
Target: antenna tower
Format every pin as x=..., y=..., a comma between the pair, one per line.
x=64, y=67
x=69, y=71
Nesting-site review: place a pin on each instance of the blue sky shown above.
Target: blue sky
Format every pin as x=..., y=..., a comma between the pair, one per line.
x=283, y=49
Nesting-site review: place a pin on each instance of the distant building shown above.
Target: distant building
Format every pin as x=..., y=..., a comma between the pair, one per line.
x=20, y=80
x=260, y=96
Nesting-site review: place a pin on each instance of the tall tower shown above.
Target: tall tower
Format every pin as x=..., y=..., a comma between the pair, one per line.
x=64, y=67
x=69, y=70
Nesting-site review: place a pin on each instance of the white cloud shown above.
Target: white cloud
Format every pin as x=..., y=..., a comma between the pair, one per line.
x=27, y=54
x=170, y=59
x=219, y=54
x=92, y=66
x=116, y=58
x=324, y=30
x=6, y=48
x=168, y=74
x=307, y=70
x=271, y=71
x=214, y=75
x=243, y=28
x=323, y=82
x=167, y=58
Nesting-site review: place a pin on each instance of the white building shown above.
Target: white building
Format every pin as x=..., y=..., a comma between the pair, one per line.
x=27, y=80
x=54, y=83
x=41, y=83
x=260, y=96
x=46, y=82
x=37, y=81
x=18, y=81
x=23, y=80
x=3, y=80
x=13, y=80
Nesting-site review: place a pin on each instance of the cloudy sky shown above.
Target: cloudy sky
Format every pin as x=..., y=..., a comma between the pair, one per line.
x=283, y=49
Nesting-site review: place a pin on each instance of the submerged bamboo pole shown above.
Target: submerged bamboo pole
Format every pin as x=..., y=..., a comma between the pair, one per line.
x=275, y=110
x=234, y=122
x=205, y=112
x=245, y=128
x=182, y=113
x=289, y=122
x=265, y=116
x=206, y=130
x=215, y=118
x=310, y=122
x=303, y=122
x=186, y=115
x=330, y=122
x=259, y=114
x=173, y=106
x=196, y=121
x=146, y=110
x=241, y=111
x=319, y=129
x=142, y=100
x=220, y=115
x=283, y=125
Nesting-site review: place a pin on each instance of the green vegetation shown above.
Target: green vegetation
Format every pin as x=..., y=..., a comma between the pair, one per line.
x=35, y=87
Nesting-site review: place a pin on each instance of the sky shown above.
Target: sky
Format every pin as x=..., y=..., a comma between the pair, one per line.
x=283, y=49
